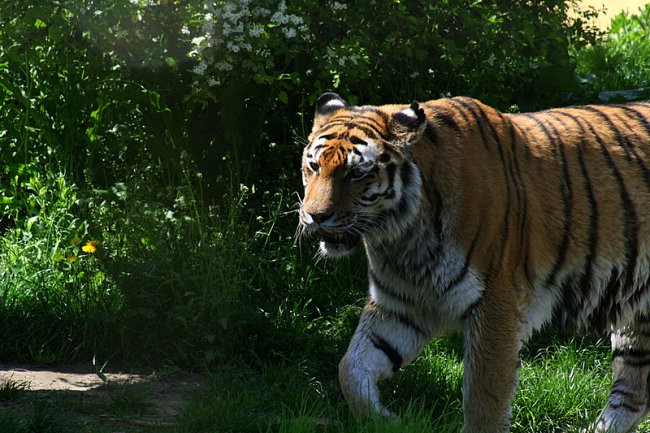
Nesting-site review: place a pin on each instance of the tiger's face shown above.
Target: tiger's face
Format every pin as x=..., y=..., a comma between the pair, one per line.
x=356, y=172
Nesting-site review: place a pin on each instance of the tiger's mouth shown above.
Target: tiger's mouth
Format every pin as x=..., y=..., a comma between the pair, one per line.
x=338, y=241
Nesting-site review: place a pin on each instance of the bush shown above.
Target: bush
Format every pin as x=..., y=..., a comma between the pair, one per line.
x=622, y=59
x=170, y=132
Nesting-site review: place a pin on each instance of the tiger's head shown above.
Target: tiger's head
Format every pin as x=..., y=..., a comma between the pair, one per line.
x=359, y=179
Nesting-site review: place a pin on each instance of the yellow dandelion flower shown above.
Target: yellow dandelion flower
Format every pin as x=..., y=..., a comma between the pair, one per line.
x=72, y=259
x=90, y=247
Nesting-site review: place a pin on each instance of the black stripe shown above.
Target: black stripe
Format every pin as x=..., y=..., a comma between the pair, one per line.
x=523, y=215
x=566, y=193
x=366, y=128
x=631, y=152
x=401, y=318
x=389, y=350
x=463, y=272
x=405, y=174
x=630, y=232
x=585, y=284
x=402, y=206
x=457, y=110
x=497, y=257
x=437, y=216
x=481, y=118
x=625, y=405
x=399, y=296
x=372, y=118
x=371, y=198
x=431, y=134
x=469, y=106
x=634, y=353
x=358, y=141
x=519, y=187
x=371, y=130
x=373, y=110
x=468, y=311
x=391, y=169
x=448, y=120
x=607, y=305
x=409, y=323
x=641, y=118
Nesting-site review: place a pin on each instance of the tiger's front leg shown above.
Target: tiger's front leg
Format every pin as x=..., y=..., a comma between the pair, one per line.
x=383, y=342
x=492, y=343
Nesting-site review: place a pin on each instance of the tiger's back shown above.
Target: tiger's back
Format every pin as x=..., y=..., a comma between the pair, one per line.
x=492, y=223
x=564, y=195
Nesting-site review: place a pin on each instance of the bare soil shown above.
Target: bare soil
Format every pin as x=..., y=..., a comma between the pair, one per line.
x=99, y=399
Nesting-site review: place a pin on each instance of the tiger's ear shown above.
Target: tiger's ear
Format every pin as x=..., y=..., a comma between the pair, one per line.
x=327, y=104
x=409, y=124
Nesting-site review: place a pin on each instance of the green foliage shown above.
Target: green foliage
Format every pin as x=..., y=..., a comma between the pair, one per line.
x=12, y=390
x=149, y=157
x=622, y=60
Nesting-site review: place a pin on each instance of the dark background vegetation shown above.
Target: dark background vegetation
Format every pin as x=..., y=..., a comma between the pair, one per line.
x=170, y=134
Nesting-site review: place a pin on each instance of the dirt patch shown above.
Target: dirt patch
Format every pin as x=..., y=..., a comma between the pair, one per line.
x=109, y=399
x=77, y=378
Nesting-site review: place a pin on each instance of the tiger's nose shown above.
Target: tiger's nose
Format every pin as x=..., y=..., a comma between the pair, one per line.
x=320, y=217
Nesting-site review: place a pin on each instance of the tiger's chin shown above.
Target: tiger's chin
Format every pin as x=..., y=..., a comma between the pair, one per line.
x=338, y=244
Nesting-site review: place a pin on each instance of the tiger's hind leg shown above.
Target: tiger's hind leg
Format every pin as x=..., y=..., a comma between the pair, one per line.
x=629, y=398
x=383, y=342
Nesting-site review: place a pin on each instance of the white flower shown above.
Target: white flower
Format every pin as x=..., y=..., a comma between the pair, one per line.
x=223, y=66
x=256, y=31
x=279, y=18
x=198, y=41
x=207, y=27
x=200, y=68
x=261, y=12
x=289, y=32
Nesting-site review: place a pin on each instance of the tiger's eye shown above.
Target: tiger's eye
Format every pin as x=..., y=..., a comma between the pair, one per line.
x=384, y=157
x=314, y=166
x=357, y=173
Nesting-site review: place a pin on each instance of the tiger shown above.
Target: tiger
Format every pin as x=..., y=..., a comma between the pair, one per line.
x=492, y=224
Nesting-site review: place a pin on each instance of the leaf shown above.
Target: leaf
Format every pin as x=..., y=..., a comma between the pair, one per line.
x=30, y=222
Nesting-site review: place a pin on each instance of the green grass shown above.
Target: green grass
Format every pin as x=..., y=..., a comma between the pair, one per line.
x=562, y=389
x=12, y=390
